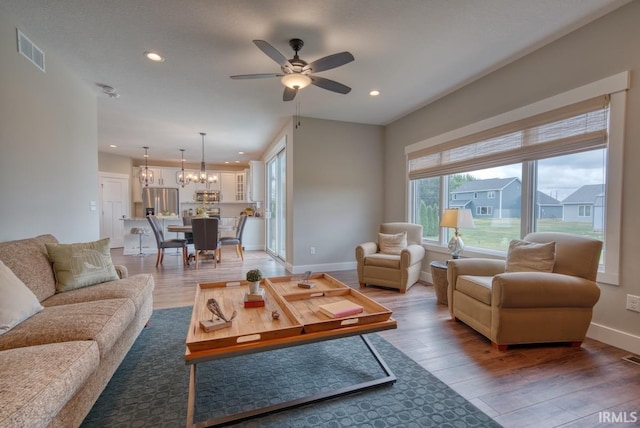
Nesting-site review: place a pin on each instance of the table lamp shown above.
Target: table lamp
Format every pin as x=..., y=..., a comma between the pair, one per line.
x=456, y=218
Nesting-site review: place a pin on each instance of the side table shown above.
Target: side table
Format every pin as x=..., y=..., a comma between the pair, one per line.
x=440, y=283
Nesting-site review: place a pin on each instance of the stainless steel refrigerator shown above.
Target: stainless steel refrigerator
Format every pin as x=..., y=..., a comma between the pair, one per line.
x=162, y=200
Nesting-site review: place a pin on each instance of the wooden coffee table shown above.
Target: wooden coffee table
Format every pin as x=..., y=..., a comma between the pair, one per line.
x=300, y=322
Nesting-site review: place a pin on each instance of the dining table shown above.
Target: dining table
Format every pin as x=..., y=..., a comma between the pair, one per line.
x=187, y=228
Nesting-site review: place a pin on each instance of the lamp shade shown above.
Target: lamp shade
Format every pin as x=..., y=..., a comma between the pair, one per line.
x=296, y=80
x=457, y=218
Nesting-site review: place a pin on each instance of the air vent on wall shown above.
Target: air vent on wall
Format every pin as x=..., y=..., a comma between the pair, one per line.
x=30, y=51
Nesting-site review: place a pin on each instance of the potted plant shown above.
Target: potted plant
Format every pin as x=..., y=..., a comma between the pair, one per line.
x=254, y=276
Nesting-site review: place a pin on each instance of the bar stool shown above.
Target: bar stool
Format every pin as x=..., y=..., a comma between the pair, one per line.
x=139, y=231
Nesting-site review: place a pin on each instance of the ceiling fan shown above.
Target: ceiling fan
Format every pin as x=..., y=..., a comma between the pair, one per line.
x=297, y=73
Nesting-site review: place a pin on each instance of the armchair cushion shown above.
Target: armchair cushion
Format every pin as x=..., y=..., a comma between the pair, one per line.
x=392, y=243
x=525, y=256
x=383, y=260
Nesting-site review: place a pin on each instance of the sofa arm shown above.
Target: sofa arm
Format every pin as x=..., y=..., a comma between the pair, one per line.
x=543, y=290
x=411, y=255
x=122, y=271
x=366, y=249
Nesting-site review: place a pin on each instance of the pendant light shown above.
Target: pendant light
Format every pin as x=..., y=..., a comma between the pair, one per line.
x=205, y=178
x=146, y=175
x=182, y=178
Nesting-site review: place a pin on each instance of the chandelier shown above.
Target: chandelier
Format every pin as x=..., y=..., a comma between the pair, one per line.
x=183, y=178
x=146, y=175
x=203, y=177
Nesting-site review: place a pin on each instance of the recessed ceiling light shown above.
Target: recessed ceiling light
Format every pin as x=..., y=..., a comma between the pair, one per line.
x=374, y=93
x=237, y=161
x=226, y=161
x=113, y=146
x=240, y=153
x=154, y=56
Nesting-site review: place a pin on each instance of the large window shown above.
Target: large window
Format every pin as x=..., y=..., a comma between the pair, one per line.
x=555, y=170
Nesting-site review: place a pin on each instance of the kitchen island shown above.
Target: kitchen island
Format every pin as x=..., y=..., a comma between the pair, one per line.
x=149, y=245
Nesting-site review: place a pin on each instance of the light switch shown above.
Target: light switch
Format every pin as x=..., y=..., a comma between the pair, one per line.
x=93, y=205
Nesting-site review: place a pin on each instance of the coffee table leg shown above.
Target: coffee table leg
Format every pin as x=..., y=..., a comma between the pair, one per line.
x=192, y=397
x=387, y=379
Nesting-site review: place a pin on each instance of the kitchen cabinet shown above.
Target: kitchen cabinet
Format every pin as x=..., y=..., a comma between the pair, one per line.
x=253, y=236
x=232, y=186
x=255, y=181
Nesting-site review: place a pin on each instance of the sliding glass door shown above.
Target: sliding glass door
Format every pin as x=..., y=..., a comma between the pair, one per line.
x=276, y=214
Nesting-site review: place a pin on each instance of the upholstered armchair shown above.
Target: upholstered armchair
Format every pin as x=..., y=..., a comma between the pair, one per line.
x=544, y=292
x=395, y=260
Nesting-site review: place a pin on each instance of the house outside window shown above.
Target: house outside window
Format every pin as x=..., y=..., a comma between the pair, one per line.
x=491, y=194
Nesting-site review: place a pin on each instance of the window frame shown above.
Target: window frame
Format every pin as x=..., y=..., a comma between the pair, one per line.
x=615, y=86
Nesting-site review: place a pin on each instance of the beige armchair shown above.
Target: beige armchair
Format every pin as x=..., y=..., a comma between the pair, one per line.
x=529, y=307
x=396, y=269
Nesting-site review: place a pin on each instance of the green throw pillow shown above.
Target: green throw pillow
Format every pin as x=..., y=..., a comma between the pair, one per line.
x=80, y=265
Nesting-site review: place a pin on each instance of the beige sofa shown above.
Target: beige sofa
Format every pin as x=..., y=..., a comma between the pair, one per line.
x=529, y=307
x=399, y=268
x=55, y=364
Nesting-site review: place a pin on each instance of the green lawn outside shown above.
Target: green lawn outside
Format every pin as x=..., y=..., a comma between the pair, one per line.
x=496, y=233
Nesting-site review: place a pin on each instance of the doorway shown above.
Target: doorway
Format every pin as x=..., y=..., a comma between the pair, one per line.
x=276, y=205
x=114, y=206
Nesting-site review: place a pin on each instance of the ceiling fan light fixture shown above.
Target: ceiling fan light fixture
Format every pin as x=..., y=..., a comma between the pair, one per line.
x=296, y=80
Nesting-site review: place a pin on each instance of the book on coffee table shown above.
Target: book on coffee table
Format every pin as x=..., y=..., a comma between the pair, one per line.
x=341, y=308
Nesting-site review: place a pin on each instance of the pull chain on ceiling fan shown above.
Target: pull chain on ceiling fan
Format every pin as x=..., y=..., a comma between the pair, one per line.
x=297, y=73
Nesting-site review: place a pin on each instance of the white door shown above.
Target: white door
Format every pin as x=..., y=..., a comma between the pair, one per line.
x=114, y=199
x=276, y=205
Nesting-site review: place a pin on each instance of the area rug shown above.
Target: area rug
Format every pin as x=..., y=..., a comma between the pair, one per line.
x=150, y=387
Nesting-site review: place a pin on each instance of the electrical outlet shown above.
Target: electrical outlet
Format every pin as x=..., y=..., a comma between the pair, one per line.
x=633, y=303
x=312, y=250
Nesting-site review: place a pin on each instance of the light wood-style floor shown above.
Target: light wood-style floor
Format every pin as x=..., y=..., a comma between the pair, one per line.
x=529, y=386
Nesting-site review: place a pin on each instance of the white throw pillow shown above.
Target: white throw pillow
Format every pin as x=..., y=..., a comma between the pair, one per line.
x=17, y=302
x=524, y=256
x=392, y=243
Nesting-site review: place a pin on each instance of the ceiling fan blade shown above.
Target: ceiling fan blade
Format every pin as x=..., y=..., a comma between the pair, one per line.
x=329, y=62
x=256, y=76
x=330, y=85
x=273, y=53
x=289, y=94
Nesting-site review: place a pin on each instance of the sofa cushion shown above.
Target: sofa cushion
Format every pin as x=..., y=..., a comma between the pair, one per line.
x=478, y=287
x=17, y=302
x=138, y=288
x=392, y=243
x=524, y=256
x=383, y=260
x=37, y=381
x=28, y=259
x=103, y=321
x=81, y=264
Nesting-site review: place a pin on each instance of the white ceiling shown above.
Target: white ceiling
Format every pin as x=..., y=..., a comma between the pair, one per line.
x=412, y=51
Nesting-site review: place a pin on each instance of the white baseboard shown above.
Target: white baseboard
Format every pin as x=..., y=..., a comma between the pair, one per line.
x=613, y=337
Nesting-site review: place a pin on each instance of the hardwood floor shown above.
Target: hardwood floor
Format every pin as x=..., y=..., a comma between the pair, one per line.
x=528, y=386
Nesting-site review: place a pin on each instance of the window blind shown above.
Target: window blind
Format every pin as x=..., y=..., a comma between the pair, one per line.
x=570, y=129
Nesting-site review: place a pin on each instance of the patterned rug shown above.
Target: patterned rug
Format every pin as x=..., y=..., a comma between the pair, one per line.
x=150, y=387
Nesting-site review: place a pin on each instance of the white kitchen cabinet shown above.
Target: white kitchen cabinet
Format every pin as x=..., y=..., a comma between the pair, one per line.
x=255, y=181
x=253, y=236
x=232, y=186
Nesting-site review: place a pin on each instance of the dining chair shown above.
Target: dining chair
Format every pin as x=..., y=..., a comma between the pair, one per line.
x=163, y=243
x=205, y=238
x=236, y=240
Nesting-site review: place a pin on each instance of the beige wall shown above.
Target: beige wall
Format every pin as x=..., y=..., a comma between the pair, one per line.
x=601, y=49
x=48, y=147
x=114, y=163
x=337, y=199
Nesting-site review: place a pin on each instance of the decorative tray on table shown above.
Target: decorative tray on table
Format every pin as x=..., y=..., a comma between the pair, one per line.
x=306, y=304
x=249, y=324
